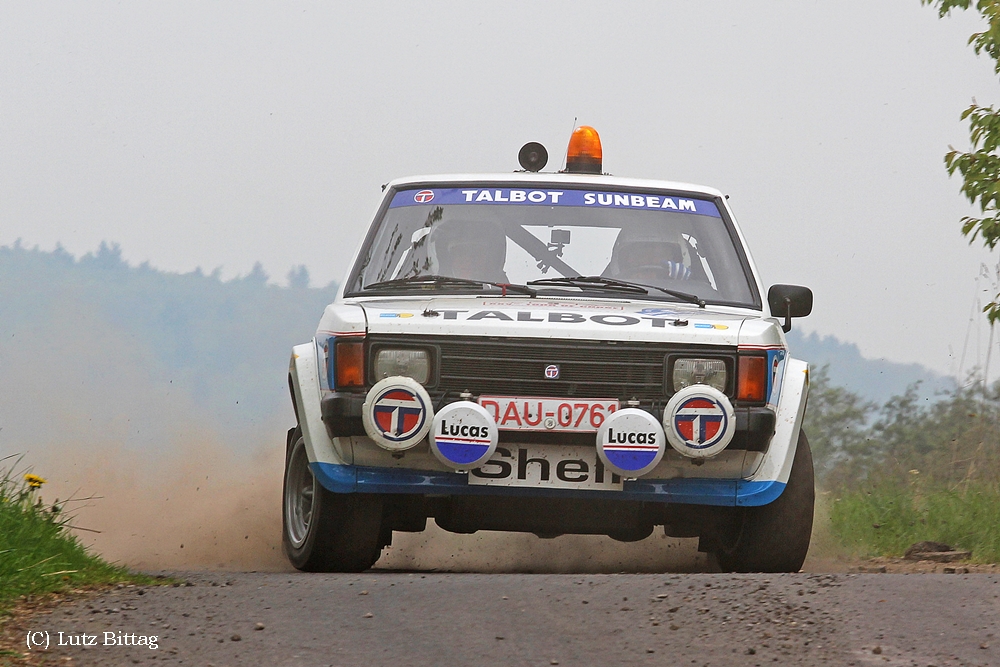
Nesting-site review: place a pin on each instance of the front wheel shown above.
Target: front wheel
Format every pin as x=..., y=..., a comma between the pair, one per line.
x=324, y=531
x=775, y=537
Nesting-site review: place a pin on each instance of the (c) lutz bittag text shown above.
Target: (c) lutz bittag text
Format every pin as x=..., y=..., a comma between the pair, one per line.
x=43, y=639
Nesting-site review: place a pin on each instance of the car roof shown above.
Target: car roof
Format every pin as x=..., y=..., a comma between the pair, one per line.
x=586, y=180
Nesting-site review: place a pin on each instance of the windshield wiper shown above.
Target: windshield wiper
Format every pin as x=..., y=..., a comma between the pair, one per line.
x=449, y=280
x=592, y=281
x=601, y=282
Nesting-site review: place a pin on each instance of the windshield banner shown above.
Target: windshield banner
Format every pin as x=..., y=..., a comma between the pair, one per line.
x=553, y=197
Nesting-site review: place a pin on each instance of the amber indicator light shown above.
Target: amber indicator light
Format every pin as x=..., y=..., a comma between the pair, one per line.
x=349, y=357
x=752, y=379
x=584, y=154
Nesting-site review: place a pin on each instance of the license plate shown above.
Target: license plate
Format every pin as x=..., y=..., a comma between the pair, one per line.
x=513, y=413
x=548, y=466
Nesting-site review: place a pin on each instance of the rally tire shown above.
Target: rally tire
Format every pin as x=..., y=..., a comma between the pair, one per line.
x=775, y=537
x=324, y=531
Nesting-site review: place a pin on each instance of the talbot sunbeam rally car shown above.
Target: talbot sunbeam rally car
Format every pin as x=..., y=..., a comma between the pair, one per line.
x=553, y=353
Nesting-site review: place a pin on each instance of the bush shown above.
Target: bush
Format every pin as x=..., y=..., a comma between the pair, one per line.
x=912, y=470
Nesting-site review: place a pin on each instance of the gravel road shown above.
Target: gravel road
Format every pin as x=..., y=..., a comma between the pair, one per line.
x=404, y=618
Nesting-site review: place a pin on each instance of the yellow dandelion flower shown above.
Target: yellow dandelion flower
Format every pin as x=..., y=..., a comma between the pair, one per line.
x=34, y=481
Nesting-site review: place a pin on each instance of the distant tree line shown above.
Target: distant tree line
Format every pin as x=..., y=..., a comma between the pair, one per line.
x=223, y=340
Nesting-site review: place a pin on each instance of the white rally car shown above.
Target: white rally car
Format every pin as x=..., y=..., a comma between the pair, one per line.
x=553, y=353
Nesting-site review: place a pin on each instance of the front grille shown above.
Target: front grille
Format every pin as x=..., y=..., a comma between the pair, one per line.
x=516, y=367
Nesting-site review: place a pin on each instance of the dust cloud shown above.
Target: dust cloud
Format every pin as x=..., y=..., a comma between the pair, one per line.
x=488, y=551
x=203, y=507
x=174, y=481
x=200, y=507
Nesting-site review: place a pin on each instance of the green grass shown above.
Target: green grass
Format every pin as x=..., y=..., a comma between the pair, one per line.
x=38, y=552
x=884, y=518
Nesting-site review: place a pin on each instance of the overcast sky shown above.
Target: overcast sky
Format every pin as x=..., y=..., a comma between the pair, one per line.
x=221, y=134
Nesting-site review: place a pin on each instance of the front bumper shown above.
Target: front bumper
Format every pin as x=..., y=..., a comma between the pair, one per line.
x=717, y=492
x=342, y=415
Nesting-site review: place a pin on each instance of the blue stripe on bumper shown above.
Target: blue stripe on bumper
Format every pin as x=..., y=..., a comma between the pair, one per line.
x=721, y=492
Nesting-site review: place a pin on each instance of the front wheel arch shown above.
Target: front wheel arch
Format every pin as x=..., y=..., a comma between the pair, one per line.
x=774, y=537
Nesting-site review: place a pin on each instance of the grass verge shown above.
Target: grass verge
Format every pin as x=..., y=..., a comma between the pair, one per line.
x=885, y=518
x=38, y=553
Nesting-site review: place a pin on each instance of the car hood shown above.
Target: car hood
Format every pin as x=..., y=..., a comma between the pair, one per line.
x=524, y=317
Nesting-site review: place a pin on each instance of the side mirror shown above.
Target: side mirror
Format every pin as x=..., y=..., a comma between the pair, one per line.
x=790, y=301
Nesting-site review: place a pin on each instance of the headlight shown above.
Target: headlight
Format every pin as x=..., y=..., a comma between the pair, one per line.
x=699, y=371
x=414, y=364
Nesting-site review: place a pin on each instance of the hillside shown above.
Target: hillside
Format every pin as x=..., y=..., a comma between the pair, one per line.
x=874, y=379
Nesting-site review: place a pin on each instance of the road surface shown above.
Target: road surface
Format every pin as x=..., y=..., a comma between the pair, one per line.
x=414, y=618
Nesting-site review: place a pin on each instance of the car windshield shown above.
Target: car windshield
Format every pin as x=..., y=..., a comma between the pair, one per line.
x=519, y=235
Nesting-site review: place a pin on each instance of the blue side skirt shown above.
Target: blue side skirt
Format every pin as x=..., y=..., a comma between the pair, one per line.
x=720, y=492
